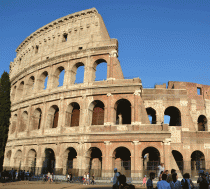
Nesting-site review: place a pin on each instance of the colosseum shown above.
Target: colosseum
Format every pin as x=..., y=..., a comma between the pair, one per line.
x=96, y=126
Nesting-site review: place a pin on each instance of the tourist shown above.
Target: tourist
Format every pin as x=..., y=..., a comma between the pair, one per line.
x=115, y=179
x=71, y=177
x=149, y=181
x=202, y=181
x=68, y=177
x=160, y=176
x=169, y=179
x=48, y=176
x=175, y=184
x=144, y=181
x=161, y=168
x=93, y=180
x=88, y=179
x=163, y=184
x=123, y=184
x=186, y=182
x=207, y=177
x=84, y=179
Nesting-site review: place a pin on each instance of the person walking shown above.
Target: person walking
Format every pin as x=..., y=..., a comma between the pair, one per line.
x=115, y=179
x=93, y=180
x=163, y=184
x=84, y=178
x=144, y=181
x=149, y=181
x=175, y=183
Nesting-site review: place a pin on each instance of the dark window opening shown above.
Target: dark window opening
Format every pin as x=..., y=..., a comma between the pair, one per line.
x=98, y=113
x=65, y=37
x=123, y=112
x=179, y=159
x=175, y=116
x=152, y=115
x=197, y=160
x=49, y=162
x=95, y=164
x=75, y=115
x=199, y=91
x=202, y=123
x=80, y=48
x=36, y=49
x=55, y=120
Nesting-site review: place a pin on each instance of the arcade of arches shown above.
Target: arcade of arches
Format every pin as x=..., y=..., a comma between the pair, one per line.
x=101, y=160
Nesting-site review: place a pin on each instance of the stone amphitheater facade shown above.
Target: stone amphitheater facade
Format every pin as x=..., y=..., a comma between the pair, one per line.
x=98, y=125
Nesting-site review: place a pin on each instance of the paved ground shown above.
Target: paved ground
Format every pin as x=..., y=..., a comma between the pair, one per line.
x=45, y=185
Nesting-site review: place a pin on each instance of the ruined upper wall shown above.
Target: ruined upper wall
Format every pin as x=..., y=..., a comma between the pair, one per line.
x=75, y=32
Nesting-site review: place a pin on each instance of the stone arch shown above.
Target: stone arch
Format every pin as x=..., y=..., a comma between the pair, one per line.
x=152, y=115
x=122, y=160
x=31, y=160
x=70, y=161
x=49, y=161
x=96, y=112
x=36, y=119
x=13, y=93
x=123, y=111
x=94, y=156
x=14, y=124
x=42, y=81
x=56, y=77
x=100, y=64
x=197, y=161
x=30, y=84
x=151, y=159
x=52, y=117
x=202, y=123
x=18, y=159
x=23, y=121
x=20, y=90
x=179, y=159
x=77, y=76
x=175, y=116
x=72, y=115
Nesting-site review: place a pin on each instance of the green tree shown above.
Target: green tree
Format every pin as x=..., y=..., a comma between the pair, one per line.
x=5, y=113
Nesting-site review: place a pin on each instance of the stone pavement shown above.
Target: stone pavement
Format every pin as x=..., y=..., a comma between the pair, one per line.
x=46, y=185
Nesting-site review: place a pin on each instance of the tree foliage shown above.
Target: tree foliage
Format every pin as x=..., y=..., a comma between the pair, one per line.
x=5, y=113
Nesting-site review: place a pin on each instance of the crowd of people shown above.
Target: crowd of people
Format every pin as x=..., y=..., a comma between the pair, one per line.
x=170, y=181
x=86, y=179
x=15, y=175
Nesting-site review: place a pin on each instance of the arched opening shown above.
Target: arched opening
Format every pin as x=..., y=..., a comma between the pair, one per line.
x=43, y=80
x=18, y=160
x=52, y=118
x=23, y=122
x=36, y=119
x=58, y=77
x=101, y=70
x=32, y=161
x=49, y=161
x=98, y=113
x=30, y=85
x=70, y=157
x=20, y=90
x=122, y=161
x=14, y=124
x=123, y=112
x=73, y=115
x=13, y=93
x=152, y=115
x=175, y=116
x=151, y=160
x=197, y=161
x=179, y=160
x=95, y=163
x=202, y=123
x=77, y=73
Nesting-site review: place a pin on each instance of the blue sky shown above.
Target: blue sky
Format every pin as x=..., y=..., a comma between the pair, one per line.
x=159, y=40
